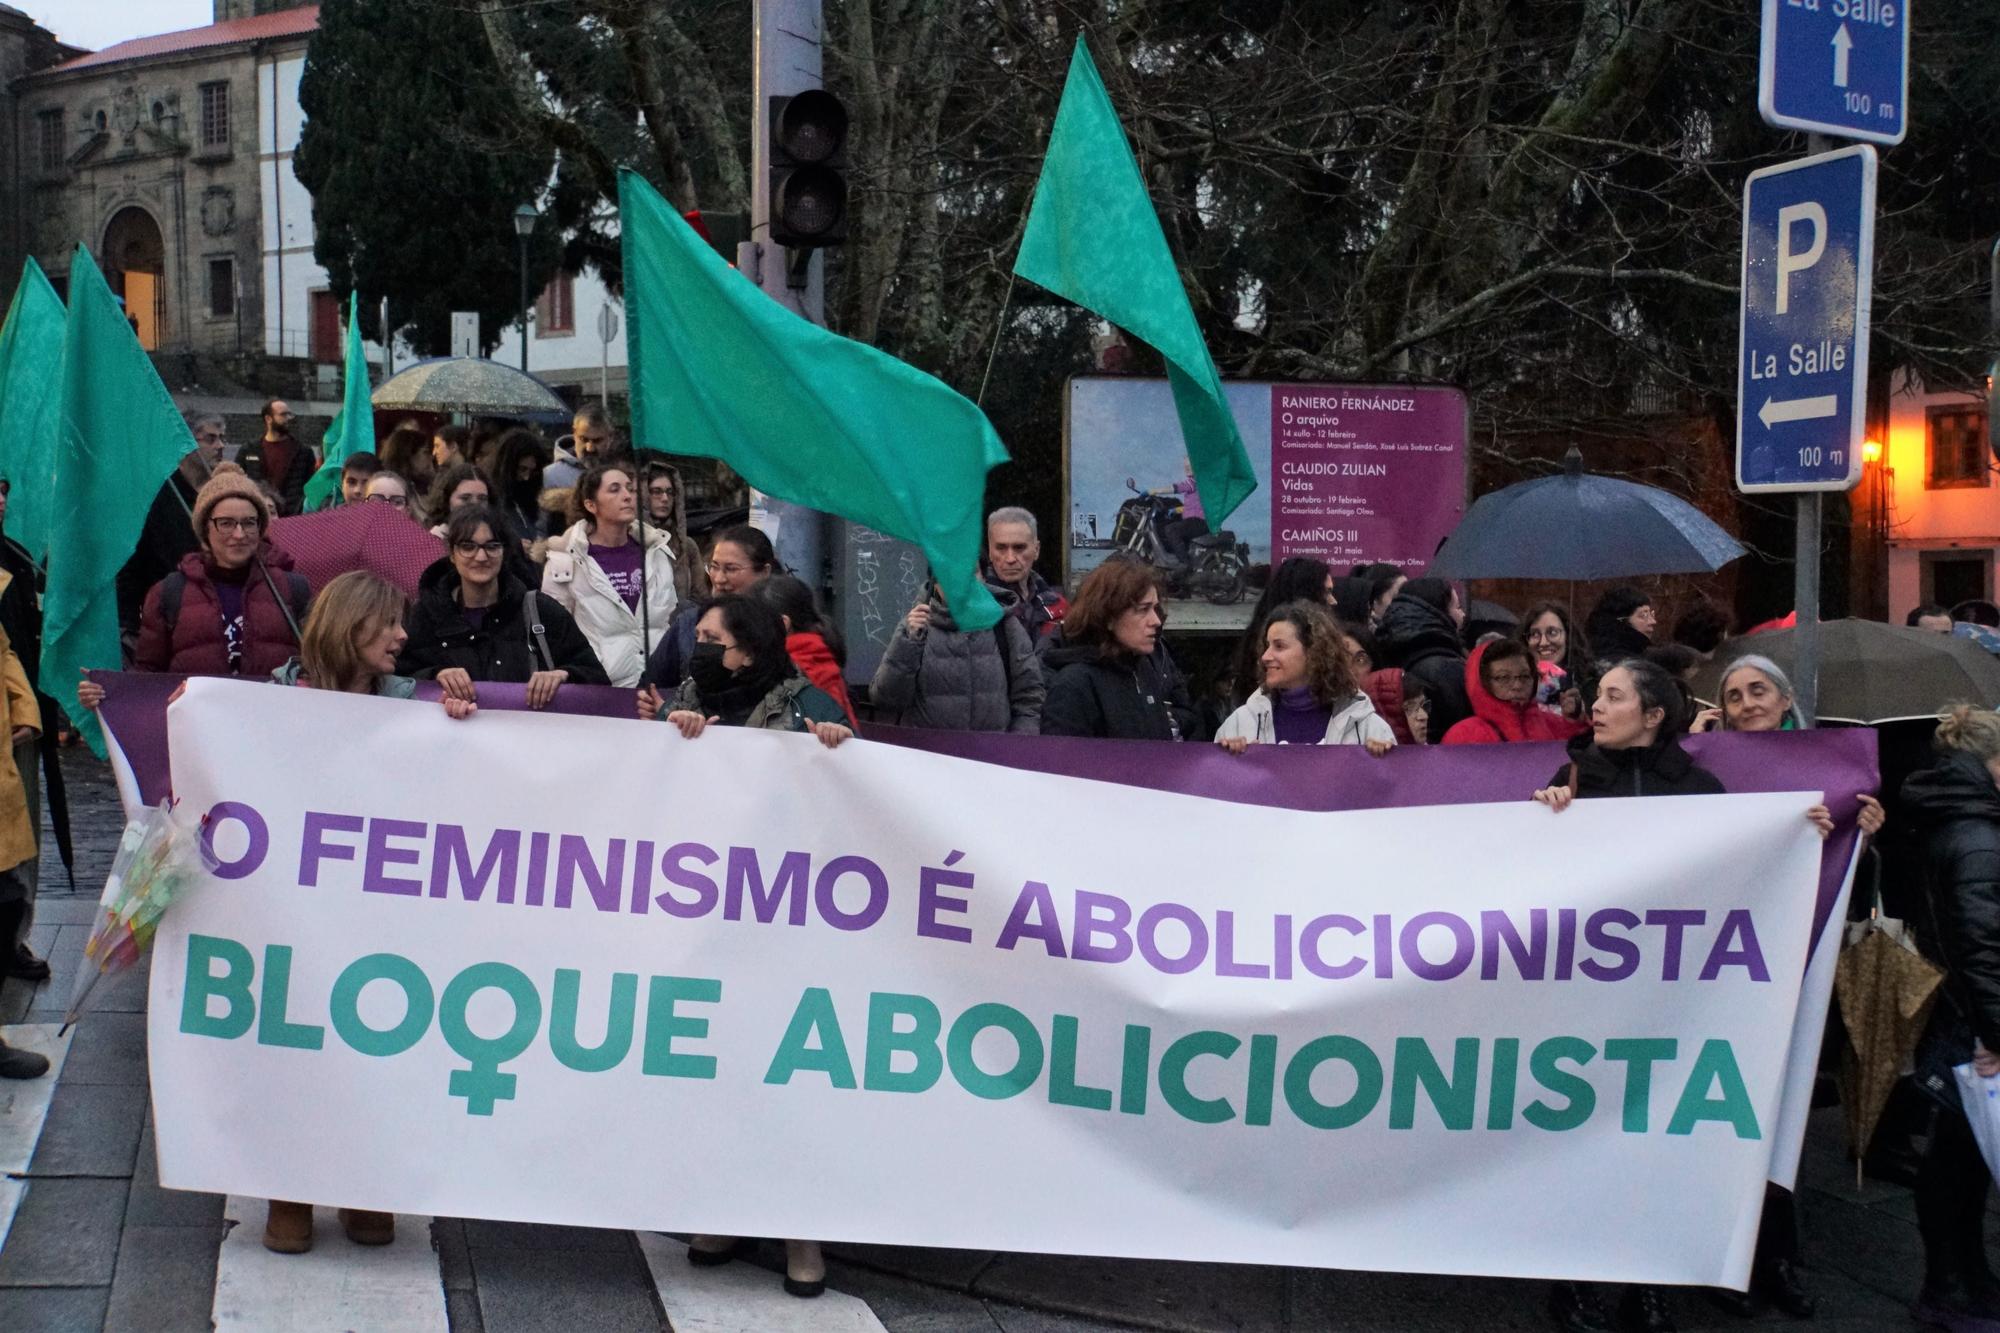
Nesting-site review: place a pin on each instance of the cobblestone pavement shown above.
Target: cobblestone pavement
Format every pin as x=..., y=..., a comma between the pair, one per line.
x=97, y=1242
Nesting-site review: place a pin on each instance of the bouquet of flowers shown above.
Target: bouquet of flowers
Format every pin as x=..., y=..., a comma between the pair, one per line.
x=159, y=856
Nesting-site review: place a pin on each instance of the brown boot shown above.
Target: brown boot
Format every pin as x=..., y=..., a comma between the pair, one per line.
x=288, y=1227
x=366, y=1228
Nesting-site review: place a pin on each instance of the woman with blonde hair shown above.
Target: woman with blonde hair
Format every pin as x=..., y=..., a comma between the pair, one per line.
x=1955, y=805
x=349, y=645
x=1310, y=693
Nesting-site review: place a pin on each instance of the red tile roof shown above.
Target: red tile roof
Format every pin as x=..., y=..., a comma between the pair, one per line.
x=284, y=23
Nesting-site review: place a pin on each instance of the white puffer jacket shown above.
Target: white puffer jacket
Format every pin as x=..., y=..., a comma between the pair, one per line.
x=1352, y=723
x=580, y=584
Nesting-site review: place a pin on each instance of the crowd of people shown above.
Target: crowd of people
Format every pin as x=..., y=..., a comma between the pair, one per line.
x=577, y=566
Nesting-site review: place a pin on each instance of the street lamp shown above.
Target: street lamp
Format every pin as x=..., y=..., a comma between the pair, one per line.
x=525, y=218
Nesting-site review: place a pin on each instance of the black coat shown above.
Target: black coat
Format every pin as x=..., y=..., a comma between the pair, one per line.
x=291, y=487
x=501, y=649
x=1660, y=769
x=1957, y=810
x=167, y=536
x=1423, y=641
x=1117, y=698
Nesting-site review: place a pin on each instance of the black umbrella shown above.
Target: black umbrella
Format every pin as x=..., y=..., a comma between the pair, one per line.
x=1870, y=672
x=1580, y=527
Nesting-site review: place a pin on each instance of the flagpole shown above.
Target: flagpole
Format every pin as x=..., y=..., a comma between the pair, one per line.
x=999, y=332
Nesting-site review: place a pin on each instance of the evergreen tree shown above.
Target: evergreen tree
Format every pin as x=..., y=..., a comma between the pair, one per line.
x=416, y=165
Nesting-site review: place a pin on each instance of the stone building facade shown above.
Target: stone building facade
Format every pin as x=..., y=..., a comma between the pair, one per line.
x=148, y=152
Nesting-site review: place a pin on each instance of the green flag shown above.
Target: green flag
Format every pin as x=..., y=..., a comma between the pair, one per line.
x=31, y=345
x=1093, y=237
x=352, y=430
x=720, y=370
x=118, y=436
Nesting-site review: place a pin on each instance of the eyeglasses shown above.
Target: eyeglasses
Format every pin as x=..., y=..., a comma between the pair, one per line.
x=235, y=524
x=400, y=501
x=731, y=570
x=491, y=550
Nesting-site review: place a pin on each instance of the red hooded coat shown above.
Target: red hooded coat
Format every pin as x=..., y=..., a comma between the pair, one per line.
x=1494, y=720
x=815, y=662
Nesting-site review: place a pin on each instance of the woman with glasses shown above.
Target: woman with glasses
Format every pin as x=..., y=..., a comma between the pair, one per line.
x=217, y=615
x=475, y=620
x=1311, y=690
x=666, y=509
x=739, y=559
x=1107, y=681
x=389, y=488
x=1500, y=681
x=599, y=572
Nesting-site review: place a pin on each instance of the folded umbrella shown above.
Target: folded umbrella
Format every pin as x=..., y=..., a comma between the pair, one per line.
x=1885, y=989
x=376, y=537
x=1870, y=672
x=1580, y=527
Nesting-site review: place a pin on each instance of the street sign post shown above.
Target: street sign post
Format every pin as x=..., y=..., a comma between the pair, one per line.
x=607, y=329
x=1839, y=67
x=1802, y=364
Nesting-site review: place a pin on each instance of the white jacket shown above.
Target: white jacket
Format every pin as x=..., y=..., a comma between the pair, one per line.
x=579, y=583
x=1351, y=724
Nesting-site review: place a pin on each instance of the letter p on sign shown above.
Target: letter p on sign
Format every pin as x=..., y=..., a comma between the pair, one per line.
x=1789, y=261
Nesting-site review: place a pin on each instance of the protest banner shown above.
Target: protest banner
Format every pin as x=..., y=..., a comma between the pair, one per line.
x=759, y=987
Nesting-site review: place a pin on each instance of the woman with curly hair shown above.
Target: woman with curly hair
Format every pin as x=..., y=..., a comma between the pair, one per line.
x=1311, y=694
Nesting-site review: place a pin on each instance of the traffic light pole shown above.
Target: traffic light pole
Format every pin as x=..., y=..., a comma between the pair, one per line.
x=787, y=44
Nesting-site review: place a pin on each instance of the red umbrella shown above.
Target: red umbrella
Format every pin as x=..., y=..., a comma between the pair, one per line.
x=376, y=537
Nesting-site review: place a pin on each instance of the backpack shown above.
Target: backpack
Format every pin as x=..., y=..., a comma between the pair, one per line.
x=174, y=587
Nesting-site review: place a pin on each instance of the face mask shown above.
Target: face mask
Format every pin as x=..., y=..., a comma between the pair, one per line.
x=705, y=668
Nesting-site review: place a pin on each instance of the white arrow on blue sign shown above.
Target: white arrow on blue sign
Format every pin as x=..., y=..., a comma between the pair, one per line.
x=1838, y=67
x=1802, y=367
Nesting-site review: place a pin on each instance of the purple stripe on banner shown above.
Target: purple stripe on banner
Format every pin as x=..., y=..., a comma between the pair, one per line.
x=1840, y=762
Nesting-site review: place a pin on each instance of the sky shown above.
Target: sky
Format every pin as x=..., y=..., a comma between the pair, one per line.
x=96, y=24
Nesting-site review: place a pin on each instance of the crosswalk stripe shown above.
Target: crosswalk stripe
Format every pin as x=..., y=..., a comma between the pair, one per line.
x=335, y=1286
x=24, y=1105
x=742, y=1298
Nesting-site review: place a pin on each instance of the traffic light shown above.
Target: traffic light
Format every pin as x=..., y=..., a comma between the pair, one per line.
x=808, y=170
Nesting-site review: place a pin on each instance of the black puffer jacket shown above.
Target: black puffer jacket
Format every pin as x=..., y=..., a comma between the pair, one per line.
x=501, y=649
x=1660, y=769
x=1117, y=698
x=1956, y=809
x=1423, y=641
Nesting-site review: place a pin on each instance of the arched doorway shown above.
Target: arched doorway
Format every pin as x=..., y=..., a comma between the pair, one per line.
x=135, y=264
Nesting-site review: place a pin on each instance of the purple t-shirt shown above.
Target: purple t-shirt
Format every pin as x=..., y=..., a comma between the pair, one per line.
x=475, y=616
x=621, y=565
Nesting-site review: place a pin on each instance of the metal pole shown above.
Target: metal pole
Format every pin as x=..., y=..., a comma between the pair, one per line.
x=1805, y=639
x=524, y=305
x=1805, y=571
x=787, y=60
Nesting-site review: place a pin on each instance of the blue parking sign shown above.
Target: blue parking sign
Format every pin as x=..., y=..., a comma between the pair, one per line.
x=1802, y=365
x=1838, y=67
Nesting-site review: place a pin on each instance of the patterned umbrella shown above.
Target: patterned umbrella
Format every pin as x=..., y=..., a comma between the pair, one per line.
x=1886, y=990
x=376, y=537
x=468, y=384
